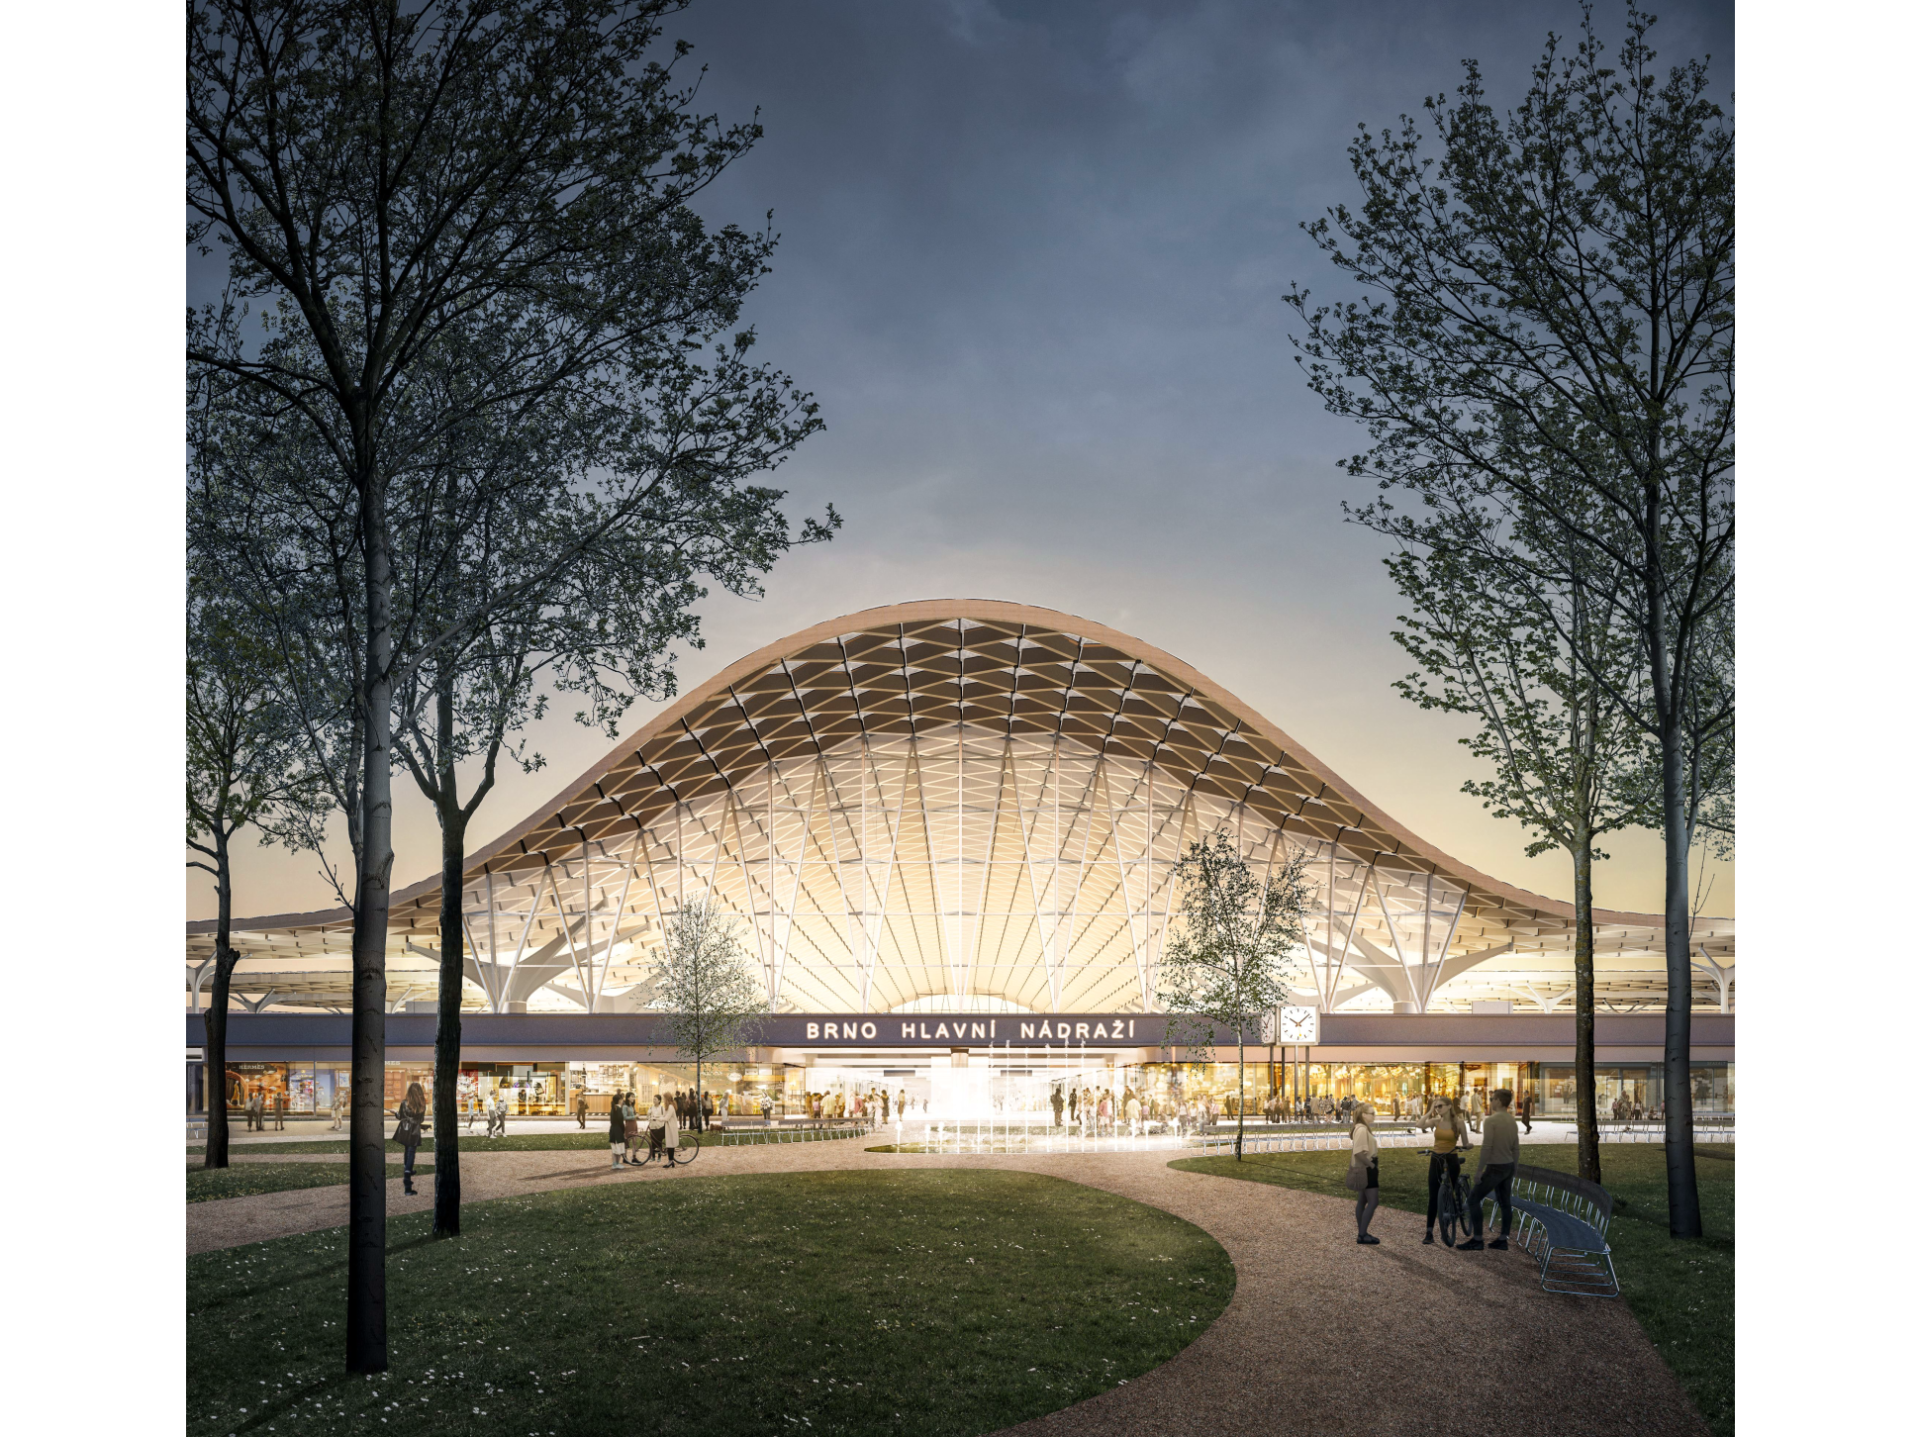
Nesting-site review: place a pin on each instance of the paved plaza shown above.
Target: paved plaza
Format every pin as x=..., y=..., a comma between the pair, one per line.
x=1322, y=1336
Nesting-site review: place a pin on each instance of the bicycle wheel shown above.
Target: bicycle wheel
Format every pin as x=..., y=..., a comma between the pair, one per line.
x=1452, y=1210
x=689, y=1148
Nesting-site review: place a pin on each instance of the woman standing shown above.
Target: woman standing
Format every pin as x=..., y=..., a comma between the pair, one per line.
x=617, y=1129
x=656, y=1125
x=1363, y=1172
x=411, y=1114
x=1451, y=1138
x=670, y=1133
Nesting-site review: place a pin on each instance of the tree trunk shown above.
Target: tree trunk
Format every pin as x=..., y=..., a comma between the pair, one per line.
x=446, y=1029
x=216, y=1053
x=1586, y=1115
x=215, y=1019
x=367, y=1169
x=1240, y=1128
x=1683, y=1193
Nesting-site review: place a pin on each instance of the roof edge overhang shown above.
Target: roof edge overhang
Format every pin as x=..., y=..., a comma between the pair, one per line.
x=998, y=611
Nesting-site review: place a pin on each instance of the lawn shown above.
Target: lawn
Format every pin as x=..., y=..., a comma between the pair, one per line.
x=249, y=1179
x=593, y=1139
x=1681, y=1292
x=933, y=1302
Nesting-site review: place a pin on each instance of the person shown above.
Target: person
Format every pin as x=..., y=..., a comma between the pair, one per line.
x=1499, y=1156
x=1474, y=1110
x=411, y=1115
x=670, y=1134
x=1133, y=1112
x=1526, y=1111
x=1450, y=1139
x=656, y=1125
x=886, y=1106
x=1366, y=1153
x=1073, y=1105
x=1059, y=1104
x=500, y=1111
x=706, y=1111
x=280, y=1111
x=617, y=1130
x=339, y=1103
x=580, y=1108
x=766, y=1107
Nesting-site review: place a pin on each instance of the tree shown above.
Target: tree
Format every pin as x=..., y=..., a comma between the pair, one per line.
x=381, y=178
x=1555, y=301
x=1518, y=657
x=707, y=986
x=243, y=769
x=1238, y=944
x=477, y=565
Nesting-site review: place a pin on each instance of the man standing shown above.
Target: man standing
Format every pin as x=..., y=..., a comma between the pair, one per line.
x=1059, y=1103
x=1499, y=1156
x=580, y=1108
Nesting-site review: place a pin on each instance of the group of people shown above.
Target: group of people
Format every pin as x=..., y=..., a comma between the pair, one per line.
x=663, y=1122
x=1627, y=1109
x=256, y=1108
x=1100, y=1112
x=1453, y=1133
x=495, y=1111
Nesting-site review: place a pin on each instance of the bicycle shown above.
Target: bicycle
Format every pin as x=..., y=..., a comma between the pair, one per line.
x=1453, y=1196
x=686, y=1152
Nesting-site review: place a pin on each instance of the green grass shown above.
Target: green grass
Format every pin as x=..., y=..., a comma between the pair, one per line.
x=251, y=1179
x=592, y=1140
x=1681, y=1292
x=932, y=1302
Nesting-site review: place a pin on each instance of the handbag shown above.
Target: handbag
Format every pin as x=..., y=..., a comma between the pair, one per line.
x=1357, y=1173
x=406, y=1132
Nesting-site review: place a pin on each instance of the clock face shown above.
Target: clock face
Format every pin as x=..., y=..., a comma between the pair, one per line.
x=1299, y=1025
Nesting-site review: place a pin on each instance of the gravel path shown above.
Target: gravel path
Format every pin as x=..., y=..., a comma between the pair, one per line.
x=1322, y=1337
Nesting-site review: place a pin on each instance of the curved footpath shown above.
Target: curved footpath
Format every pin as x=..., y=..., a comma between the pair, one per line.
x=1323, y=1336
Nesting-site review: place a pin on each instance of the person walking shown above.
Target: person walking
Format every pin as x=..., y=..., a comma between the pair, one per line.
x=411, y=1115
x=670, y=1134
x=1526, y=1111
x=500, y=1112
x=1450, y=1139
x=1363, y=1172
x=1499, y=1156
x=580, y=1108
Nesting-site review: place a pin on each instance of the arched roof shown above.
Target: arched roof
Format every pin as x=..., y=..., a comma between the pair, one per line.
x=919, y=666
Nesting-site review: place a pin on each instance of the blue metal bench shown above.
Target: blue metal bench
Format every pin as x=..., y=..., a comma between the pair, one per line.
x=1563, y=1227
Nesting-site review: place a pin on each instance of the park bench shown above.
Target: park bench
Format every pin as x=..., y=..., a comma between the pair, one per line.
x=1563, y=1227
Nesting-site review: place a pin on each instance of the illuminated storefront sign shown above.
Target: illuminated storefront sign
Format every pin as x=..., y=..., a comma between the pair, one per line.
x=1015, y=1028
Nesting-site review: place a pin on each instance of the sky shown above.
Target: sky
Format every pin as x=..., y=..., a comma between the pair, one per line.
x=1032, y=264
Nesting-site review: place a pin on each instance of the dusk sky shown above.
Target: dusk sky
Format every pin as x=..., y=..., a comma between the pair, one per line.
x=1032, y=267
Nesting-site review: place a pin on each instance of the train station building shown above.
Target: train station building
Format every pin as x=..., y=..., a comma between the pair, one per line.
x=947, y=832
